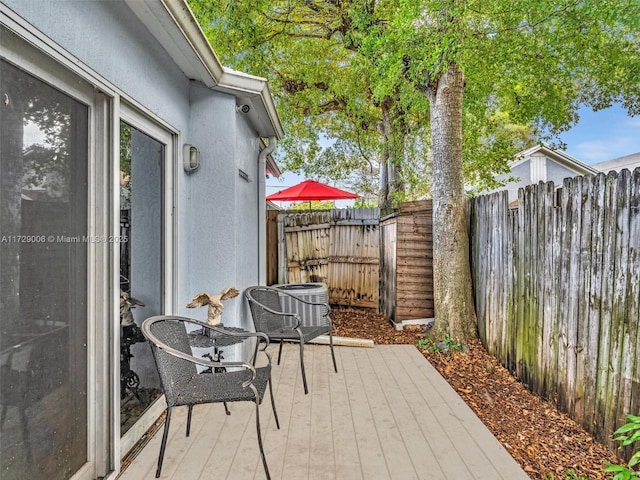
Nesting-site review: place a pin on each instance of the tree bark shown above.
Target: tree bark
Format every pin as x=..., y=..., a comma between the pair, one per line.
x=391, y=182
x=453, y=295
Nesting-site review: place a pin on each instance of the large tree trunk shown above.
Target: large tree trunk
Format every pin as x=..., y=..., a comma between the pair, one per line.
x=454, y=305
x=391, y=182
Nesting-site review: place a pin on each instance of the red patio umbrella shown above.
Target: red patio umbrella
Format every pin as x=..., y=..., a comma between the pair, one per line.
x=311, y=190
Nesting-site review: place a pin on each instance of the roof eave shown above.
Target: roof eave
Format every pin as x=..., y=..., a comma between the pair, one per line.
x=172, y=23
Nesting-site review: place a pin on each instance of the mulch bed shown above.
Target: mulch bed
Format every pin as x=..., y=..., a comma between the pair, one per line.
x=546, y=443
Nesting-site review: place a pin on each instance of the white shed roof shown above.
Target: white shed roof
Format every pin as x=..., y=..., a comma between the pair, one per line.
x=630, y=162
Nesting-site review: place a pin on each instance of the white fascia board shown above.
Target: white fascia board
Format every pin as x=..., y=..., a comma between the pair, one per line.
x=249, y=88
x=172, y=23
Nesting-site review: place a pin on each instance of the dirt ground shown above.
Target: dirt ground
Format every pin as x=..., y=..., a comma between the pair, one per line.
x=546, y=443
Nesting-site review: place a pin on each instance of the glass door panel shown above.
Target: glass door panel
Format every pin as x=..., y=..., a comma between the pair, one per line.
x=141, y=165
x=43, y=279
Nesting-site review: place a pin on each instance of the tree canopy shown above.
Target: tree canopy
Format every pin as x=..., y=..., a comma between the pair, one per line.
x=461, y=84
x=338, y=128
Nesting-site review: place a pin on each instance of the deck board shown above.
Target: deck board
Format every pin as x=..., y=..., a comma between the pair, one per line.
x=386, y=414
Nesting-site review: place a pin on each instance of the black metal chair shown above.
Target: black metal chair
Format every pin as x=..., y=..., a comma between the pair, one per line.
x=222, y=382
x=270, y=317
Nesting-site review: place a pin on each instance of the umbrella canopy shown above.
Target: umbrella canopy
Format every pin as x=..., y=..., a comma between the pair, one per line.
x=311, y=190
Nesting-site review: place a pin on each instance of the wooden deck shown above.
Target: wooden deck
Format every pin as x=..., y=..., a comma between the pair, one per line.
x=386, y=414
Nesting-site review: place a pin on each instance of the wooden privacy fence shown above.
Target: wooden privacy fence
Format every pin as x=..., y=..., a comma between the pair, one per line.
x=557, y=286
x=339, y=247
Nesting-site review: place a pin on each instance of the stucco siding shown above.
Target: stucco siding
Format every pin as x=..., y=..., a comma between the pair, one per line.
x=523, y=172
x=523, y=175
x=207, y=211
x=557, y=173
x=248, y=238
x=109, y=38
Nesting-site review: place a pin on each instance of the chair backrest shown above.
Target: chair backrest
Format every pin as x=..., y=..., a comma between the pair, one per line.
x=174, y=372
x=263, y=320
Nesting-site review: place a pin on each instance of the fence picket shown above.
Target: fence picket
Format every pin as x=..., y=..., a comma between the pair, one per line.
x=557, y=290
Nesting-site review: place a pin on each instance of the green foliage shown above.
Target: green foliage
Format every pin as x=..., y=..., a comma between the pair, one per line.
x=125, y=151
x=369, y=77
x=447, y=344
x=322, y=76
x=569, y=475
x=628, y=434
x=348, y=71
x=426, y=344
x=313, y=205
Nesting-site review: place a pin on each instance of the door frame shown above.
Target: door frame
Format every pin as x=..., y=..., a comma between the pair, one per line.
x=142, y=122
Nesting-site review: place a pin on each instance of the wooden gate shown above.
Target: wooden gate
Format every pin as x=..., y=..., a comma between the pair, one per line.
x=339, y=247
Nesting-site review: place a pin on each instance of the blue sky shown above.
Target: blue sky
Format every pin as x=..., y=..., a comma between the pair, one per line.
x=598, y=136
x=603, y=135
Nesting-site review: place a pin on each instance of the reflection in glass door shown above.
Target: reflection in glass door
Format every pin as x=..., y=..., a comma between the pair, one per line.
x=141, y=166
x=43, y=279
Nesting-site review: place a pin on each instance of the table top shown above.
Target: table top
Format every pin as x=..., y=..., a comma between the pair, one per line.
x=214, y=339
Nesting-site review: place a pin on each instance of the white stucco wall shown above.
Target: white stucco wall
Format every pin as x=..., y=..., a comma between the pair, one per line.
x=218, y=226
x=250, y=246
x=217, y=230
x=557, y=173
x=109, y=38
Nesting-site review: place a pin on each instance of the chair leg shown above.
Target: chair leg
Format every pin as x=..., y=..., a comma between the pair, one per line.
x=333, y=355
x=189, y=419
x=163, y=445
x=304, y=376
x=280, y=351
x=264, y=460
x=273, y=404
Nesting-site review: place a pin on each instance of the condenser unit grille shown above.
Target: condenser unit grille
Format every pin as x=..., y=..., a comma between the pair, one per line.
x=310, y=315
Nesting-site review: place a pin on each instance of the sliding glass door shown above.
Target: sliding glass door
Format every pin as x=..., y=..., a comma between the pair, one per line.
x=44, y=138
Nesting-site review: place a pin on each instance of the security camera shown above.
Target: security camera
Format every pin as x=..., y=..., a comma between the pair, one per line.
x=243, y=108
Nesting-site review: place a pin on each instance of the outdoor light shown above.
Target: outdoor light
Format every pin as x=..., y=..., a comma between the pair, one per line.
x=190, y=157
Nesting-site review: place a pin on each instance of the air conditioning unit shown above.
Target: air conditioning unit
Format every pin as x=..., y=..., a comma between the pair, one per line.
x=310, y=315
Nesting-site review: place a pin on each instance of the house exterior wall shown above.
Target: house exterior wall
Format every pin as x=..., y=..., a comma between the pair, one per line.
x=523, y=172
x=109, y=38
x=250, y=247
x=533, y=169
x=215, y=237
x=218, y=213
x=556, y=173
x=217, y=210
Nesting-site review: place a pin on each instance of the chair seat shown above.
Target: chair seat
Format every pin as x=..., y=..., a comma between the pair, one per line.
x=308, y=333
x=223, y=387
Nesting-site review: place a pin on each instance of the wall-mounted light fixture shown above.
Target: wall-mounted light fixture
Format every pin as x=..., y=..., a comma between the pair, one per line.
x=190, y=158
